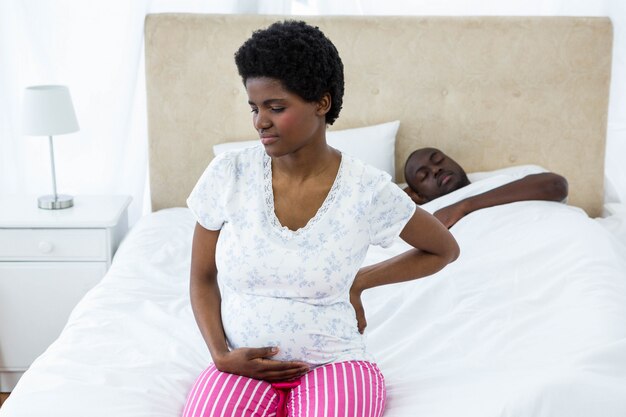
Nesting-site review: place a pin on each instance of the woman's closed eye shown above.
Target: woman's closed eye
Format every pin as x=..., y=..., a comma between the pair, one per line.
x=272, y=109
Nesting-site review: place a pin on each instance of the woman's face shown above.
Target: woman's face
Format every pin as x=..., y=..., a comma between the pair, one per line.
x=284, y=121
x=431, y=174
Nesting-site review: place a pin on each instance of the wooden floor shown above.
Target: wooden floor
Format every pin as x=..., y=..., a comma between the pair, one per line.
x=3, y=396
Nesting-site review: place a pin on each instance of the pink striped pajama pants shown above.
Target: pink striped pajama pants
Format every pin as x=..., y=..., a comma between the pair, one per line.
x=343, y=389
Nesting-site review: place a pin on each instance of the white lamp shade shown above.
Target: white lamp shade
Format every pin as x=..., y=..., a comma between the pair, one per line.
x=48, y=111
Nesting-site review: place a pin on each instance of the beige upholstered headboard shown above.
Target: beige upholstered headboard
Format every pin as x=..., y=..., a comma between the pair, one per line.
x=489, y=91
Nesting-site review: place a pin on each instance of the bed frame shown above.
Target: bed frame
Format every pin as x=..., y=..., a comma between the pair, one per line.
x=489, y=91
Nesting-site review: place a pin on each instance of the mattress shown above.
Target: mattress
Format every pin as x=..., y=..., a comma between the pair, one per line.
x=528, y=321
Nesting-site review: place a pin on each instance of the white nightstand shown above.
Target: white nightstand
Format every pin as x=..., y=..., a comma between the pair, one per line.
x=49, y=259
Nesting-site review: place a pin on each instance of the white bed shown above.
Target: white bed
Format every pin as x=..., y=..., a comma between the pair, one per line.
x=529, y=321
x=509, y=329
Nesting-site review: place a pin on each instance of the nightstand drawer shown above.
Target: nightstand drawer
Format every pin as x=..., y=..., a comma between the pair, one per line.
x=36, y=299
x=53, y=244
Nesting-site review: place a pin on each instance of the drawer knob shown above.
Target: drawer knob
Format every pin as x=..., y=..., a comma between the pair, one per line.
x=45, y=247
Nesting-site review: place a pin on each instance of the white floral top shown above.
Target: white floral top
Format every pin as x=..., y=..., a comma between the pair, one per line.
x=291, y=288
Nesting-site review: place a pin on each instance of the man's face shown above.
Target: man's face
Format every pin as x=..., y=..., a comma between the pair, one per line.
x=430, y=173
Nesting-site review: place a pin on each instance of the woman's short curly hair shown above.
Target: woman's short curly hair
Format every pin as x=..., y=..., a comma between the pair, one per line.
x=298, y=55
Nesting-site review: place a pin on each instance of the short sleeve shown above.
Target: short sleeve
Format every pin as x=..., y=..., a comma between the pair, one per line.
x=207, y=198
x=390, y=210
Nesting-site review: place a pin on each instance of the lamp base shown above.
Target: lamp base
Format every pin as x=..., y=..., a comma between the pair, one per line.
x=61, y=201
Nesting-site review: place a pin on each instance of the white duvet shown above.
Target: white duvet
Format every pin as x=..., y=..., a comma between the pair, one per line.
x=529, y=321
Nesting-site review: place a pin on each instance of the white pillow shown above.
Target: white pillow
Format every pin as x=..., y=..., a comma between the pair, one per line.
x=517, y=171
x=232, y=146
x=374, y=145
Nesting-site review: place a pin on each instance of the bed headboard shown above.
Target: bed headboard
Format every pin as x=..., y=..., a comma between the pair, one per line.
x=489, y=91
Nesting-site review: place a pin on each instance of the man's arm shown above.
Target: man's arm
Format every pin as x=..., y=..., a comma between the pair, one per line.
x=545, y=186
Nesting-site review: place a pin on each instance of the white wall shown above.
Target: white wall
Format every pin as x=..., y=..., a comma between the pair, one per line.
x=96, y=48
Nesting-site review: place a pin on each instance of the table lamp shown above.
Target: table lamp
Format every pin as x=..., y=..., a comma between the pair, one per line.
x=48, y=111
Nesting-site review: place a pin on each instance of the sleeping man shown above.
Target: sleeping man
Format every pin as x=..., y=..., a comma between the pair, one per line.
x=430, y=174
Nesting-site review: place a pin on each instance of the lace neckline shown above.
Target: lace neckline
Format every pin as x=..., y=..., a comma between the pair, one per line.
x=269, y=200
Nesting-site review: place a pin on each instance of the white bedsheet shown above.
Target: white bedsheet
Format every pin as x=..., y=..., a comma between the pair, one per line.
x=529, y=321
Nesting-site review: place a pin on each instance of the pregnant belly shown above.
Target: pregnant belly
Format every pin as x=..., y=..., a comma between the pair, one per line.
x=302, y=331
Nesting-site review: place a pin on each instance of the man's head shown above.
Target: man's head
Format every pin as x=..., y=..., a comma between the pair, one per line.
x=430, y=173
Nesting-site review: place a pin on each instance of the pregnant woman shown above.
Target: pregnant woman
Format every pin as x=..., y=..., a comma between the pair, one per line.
x=282, y=230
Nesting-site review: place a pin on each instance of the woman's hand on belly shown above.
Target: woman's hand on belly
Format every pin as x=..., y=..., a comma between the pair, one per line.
x=255, y=363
